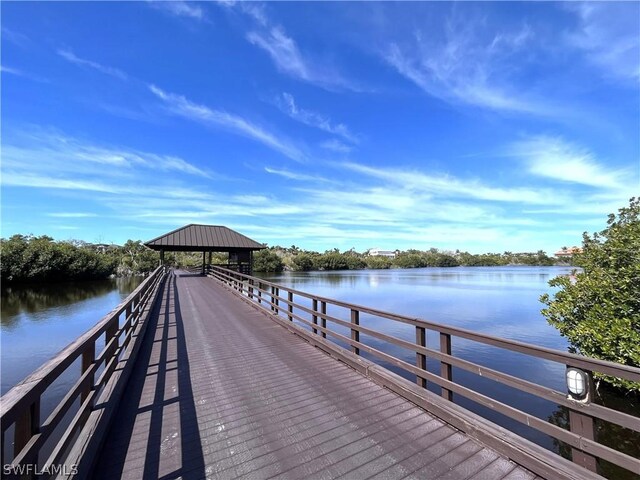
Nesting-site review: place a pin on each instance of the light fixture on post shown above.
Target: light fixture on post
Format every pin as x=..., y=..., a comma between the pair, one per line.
x=578, y=384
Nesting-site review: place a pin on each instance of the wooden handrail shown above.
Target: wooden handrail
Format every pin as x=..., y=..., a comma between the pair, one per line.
x=20, y=406
x=278, y=300
x=603, y=366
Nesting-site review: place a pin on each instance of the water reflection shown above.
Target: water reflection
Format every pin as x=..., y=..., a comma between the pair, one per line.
x=37, y=298
x=37, y=321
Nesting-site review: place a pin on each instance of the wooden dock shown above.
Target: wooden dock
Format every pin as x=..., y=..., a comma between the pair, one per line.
x=227, y=375
x=220, y=391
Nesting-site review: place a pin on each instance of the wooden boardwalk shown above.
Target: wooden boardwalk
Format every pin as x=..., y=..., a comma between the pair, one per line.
x=221, y=391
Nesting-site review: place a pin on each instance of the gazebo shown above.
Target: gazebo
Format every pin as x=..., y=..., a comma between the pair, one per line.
x=209, y=238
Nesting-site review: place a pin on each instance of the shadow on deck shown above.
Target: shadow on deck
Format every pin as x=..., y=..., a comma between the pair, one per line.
x=159, y=394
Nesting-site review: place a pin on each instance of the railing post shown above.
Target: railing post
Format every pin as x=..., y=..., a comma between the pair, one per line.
x=290, y=305
x=259, y=292
x=314, y=318
x=323, y=320
x=27, y=425
x=272, y=290
x=582, y=425
x=277, y=301
x=134, y=307
x=127, y=313
x=251, y=289
x=110, y=333
x=88, y=357
x=355, y=334
x=445, y=368
x=421, y=359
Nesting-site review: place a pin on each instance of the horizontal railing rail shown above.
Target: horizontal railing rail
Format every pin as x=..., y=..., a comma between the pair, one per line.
x=21, y=406
x=580, y=435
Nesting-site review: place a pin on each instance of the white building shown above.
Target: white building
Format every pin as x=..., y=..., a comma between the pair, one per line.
x=568, y=252
x=376, y=252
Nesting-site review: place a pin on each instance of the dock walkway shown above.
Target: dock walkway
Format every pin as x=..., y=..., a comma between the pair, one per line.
x=221, y=391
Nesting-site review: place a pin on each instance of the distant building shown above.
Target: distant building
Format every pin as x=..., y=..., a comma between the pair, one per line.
x=376, y=252
x=102, y=247
x=568, y=252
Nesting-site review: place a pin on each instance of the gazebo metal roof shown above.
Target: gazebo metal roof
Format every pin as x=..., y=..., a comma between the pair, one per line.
x=203, y=238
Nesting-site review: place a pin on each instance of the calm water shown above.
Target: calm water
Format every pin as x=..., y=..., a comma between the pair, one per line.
x=501, y=301
x=38, y=321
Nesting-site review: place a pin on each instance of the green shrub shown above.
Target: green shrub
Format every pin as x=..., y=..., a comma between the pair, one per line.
x=267, y=261
x=599, y=311
x=303, y=262
x=26, y=258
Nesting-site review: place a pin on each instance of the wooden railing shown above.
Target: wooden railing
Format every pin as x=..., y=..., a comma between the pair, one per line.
x=580, y=435
x=21, y=406
x=244, y=268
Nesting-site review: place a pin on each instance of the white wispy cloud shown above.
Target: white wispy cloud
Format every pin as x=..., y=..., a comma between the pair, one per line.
x=21, y=73
x=71, y=57
x=467, y=66
x=450, y=187
x=410, y=208
x=407, y=208
x=16, y=178
x=183, y=107
x=254, y=10
x=113, y=178
x=286, y=54
x=288, y=58
x=303, y=177
x=609, y=34
x=336, y=146
x=42, y=152
x=288, y=105
x=555, y=158
x=72, y=215
x=283, y=51
x=16, y=38
x=180, y=8
x=12, y=71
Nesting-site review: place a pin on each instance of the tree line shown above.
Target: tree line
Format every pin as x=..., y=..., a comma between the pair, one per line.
x=30, y=259
x=277, y=259
x=40, y=259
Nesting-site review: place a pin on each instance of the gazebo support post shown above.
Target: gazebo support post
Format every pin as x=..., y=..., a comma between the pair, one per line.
x=203, y=260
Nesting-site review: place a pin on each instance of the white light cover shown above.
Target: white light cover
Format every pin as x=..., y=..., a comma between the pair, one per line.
x=576, y=382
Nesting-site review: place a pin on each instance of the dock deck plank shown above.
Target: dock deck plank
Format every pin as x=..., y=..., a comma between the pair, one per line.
x=220, y=391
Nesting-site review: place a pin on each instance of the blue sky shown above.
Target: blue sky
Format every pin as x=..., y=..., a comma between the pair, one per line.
x=473, y=126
